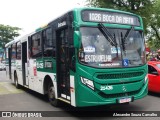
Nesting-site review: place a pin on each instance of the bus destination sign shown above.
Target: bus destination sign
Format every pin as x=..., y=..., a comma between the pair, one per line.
x=109, y=17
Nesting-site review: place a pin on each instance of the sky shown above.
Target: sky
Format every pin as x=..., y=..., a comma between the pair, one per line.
x=31, y=14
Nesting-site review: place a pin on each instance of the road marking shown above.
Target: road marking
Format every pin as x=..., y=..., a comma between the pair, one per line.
x=8, y=88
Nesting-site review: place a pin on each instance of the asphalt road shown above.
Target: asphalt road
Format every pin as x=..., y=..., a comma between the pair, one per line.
x=12, y=99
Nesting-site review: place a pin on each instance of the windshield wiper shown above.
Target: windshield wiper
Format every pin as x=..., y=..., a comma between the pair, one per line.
x=126, y=37
x=107, y=34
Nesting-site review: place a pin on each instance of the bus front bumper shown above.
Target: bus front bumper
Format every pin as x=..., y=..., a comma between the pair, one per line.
x=87, y=97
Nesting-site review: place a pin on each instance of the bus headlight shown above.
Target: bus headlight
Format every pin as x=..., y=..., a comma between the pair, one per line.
x=146, y=78
x=87, y=82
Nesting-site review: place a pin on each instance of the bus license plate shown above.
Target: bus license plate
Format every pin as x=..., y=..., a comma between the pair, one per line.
x=124, y=100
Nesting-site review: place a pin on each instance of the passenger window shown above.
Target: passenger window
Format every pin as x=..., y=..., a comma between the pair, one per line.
x=36, y=45
x=18, y=51
x=14, y=51
x=49, y=47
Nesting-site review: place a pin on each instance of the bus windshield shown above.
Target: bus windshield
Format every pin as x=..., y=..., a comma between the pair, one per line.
x=97, y=51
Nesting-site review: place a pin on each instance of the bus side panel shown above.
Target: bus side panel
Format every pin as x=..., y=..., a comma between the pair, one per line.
x=40, y=83
x=12, y=69
x=45, y=67
x=32, y=73
x=37, y=76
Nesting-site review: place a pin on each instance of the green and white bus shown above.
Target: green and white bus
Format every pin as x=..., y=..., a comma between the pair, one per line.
x=86, y=57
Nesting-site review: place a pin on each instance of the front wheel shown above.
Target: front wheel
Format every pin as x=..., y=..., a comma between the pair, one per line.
x=51, y=96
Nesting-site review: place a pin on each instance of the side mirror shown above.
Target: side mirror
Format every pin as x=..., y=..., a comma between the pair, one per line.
x=76, y=39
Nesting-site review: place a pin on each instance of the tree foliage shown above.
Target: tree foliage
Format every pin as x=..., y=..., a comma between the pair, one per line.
x=153, y=30
x=129, y=5
x=7, y=33
x=149, y=10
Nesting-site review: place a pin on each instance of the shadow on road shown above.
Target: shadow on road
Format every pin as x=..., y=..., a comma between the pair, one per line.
x=33, y=93
x=154, y=94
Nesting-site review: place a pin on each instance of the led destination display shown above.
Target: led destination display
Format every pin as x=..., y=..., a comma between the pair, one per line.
x=109, y=17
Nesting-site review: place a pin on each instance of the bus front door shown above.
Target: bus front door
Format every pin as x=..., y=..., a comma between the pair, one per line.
x=62, y=56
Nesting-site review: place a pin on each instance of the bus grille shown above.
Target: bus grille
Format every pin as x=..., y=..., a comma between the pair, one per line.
x=119, y=75
x=119, y=94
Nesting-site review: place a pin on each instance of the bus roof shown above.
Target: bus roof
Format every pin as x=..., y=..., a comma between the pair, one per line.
x=22, y=39
x=10, y=43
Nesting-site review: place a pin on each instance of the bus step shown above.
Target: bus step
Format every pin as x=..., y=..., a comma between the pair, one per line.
x=26, y=86
x=64, y=100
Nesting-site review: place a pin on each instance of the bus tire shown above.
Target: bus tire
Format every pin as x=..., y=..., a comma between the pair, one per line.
x=16, y=81
x=51, y=95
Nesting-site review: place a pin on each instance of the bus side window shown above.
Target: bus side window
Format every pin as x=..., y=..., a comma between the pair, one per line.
x=48, y=43
x=14, y=51
x=18, y=51
x=36, y=45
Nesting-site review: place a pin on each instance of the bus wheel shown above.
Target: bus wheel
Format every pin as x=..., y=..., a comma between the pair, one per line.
x=16, y=81
x=51, y=96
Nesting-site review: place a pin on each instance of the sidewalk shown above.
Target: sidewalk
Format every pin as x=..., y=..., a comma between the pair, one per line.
x=8, y=88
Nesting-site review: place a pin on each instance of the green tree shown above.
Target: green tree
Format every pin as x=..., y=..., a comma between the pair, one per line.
x=153, y=30
x=8, y=33
x=135, y=6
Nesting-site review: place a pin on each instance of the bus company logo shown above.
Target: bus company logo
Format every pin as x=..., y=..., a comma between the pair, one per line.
x=6, y=114
x=21, y=114
x=124, y=88
x=62, y=24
